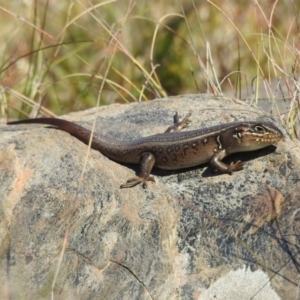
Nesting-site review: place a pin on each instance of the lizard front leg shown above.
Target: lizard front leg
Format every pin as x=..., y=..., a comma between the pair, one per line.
x=147, y=161
x=217, y=163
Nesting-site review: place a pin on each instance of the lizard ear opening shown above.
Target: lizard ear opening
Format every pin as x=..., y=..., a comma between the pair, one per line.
x=239, y=132
x=238, y=135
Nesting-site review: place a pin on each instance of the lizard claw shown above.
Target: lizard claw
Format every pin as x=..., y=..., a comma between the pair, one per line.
x=233, y=167
x=179, y=125
x=131, y=182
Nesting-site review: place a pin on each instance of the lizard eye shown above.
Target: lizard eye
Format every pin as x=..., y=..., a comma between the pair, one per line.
x=259, y=129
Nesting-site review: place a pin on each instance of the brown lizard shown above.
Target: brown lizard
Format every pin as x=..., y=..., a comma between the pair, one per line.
x=173, y=150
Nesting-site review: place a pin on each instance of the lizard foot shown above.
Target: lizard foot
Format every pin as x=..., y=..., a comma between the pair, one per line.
x=233, y=167
x=179, y=125
x=131, y=182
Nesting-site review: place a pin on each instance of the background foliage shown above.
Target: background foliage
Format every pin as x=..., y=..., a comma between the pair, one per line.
x=55, y=55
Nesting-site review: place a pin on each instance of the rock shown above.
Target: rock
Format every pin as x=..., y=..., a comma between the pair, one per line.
x=68, y=231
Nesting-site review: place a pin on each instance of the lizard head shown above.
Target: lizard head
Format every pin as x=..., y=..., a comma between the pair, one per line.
x=251, y=136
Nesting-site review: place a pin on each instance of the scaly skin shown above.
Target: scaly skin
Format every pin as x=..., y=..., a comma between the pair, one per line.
x=173, y=150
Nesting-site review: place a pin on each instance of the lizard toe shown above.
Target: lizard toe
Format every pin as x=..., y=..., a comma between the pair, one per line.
x=131, y=182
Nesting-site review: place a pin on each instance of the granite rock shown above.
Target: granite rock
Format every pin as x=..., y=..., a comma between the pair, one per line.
x=68, y=231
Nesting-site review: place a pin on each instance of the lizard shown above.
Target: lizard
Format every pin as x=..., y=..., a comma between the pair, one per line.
x=175, y=149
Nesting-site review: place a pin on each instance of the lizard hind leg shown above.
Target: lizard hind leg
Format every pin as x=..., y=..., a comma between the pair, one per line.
x=147, y=162
x=179, y=125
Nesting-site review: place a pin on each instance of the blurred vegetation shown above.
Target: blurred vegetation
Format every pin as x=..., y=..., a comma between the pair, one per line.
x=55, y=55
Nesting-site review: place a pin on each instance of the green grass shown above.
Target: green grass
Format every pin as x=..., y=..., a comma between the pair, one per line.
x=55, y=55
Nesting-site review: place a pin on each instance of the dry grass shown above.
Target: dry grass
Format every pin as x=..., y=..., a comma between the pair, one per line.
x=55, y=54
